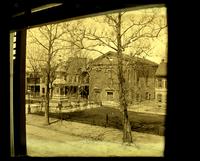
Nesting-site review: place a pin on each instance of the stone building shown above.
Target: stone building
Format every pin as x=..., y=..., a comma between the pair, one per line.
x=139, y=75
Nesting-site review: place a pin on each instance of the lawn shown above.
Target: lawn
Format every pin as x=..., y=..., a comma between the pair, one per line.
x=111, y=117
x=69, y=138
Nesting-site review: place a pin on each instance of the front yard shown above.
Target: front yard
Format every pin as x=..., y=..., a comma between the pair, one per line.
x=68, y=138
x=111, y=117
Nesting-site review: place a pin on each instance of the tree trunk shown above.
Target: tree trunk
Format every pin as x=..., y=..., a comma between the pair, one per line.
x=35, y=87
x=51, y=91
x=127, y=136
x=47, y=100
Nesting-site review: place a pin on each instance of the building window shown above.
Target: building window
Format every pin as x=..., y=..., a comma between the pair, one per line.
x=43, y=90
x=159, y=97
x=159, y=83
x=97, y=91
x=109, y=96
x=37, y=88
x=149, y=96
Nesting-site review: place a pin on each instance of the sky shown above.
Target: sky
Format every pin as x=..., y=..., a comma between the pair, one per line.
x=159, y=45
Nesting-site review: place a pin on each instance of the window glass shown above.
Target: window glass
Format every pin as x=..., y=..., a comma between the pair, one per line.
x=99, y=66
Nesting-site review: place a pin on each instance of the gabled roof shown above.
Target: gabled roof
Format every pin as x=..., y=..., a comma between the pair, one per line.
x=76, y=64
x=59, y=81
x=162, y=69
x=126, y=57
x=106, y=55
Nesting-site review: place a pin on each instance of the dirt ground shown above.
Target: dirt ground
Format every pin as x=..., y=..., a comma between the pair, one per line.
x=68, y=138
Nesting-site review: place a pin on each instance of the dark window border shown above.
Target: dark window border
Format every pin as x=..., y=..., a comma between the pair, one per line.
x=20, y=24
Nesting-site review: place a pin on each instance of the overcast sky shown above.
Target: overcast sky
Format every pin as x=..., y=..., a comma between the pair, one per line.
x=159, y=46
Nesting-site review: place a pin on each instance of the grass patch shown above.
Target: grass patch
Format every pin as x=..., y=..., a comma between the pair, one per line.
x=110, y=117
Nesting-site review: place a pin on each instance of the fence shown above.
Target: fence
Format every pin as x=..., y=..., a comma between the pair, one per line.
x=67, y=105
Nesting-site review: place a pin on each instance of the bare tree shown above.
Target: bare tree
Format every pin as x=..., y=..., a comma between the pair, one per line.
x=47, y=39
x=33, y=65
x=121, y=34
x=144, y=30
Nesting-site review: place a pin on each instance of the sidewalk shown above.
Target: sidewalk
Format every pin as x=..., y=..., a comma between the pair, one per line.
x=145, y=107
x=68, y=138
x=149, y=107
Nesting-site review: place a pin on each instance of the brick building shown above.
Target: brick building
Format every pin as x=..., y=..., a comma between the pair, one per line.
x=97, y=80
x=139, y=75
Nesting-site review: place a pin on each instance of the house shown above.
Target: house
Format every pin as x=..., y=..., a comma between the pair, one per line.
x=71, y=79
x=59, y=82
x=33, y=83
x=97, y=80
x=77, y=78
x=139, y=75
x=161, y=84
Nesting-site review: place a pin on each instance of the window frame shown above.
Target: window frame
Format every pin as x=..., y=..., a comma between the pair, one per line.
x=19, y=82
x=110, y=95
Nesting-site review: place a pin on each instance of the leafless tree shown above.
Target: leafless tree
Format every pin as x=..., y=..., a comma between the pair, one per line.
x=145, y=28
x=34, y=67
x=47, y=39
x=122, y=33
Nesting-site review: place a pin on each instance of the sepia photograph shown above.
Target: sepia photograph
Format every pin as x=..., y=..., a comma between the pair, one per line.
x=96, y=85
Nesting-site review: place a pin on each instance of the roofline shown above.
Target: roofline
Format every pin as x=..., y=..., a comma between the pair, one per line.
x=111, y=52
